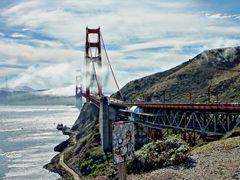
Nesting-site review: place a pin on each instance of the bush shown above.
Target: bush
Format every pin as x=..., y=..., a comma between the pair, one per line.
x=158, y=154
x=95, y=164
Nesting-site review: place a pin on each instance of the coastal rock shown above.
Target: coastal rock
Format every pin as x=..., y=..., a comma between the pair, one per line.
x=63, y=145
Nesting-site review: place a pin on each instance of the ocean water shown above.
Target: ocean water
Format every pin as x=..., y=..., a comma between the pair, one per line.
x=27, y=137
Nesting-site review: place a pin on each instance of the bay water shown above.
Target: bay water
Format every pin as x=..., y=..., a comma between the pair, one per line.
x=27, y=137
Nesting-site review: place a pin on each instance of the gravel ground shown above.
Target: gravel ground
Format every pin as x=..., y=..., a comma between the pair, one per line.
x=217, y=160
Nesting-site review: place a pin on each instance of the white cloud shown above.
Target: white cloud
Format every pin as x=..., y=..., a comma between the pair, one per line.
x=50, y=76
x=31, y=55
x=68, y=19
x=131, y=26
x=2, y=34
x=223, y=16
x=181, y=42
x=17, y=35
x=65, y=91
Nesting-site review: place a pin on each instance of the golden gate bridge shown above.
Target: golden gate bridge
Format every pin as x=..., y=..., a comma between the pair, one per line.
x=205, y=119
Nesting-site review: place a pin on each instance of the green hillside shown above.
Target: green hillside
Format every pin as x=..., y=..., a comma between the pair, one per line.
x=218, y=69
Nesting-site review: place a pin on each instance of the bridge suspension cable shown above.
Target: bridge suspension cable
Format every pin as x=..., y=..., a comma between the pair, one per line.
x=98, y=84
x=110, y=66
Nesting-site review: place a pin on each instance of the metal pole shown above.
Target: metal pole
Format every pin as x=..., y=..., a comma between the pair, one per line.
x=170, y=97
x=209, y=94
x=190, y=97
x=164, y=98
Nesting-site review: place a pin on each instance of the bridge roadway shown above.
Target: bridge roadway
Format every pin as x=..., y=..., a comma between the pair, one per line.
x=198, y=107
x=216, y=119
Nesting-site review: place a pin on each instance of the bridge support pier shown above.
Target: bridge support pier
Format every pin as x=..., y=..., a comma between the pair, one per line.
x=105, y=125
x=79, y=103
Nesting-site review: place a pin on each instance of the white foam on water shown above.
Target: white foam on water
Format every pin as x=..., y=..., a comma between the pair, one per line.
x=32, y=139
x=3, y=163
x=35, y=108
x=13, y=155
x=11, y=130
x=35, y=136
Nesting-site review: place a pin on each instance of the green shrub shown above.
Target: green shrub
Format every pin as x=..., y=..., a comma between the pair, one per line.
x=95, y=164
x=158, y=154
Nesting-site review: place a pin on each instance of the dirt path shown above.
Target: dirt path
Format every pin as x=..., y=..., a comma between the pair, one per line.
x=65, y=166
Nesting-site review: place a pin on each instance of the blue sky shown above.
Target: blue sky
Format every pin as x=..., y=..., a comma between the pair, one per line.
x=42, y=42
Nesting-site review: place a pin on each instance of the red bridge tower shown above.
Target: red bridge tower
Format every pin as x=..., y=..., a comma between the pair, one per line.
x=92, y=57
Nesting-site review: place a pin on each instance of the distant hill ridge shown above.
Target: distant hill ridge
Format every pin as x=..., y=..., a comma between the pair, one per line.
x=18, y=89
x=217, y=70
x=24, y=95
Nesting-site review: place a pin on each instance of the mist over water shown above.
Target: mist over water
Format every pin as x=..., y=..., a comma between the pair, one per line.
x=27, y=138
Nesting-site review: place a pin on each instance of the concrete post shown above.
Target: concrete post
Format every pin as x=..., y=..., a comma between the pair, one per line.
x=105, y=125
x=79, y=102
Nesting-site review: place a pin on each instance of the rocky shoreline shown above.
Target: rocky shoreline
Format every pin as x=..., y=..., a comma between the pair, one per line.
x=82, y=148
